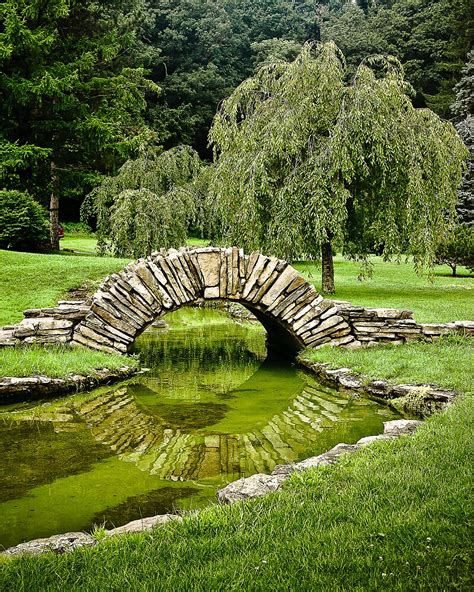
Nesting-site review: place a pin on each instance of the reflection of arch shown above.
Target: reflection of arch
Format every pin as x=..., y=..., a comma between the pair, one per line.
x=289, y=308
x=117, y=421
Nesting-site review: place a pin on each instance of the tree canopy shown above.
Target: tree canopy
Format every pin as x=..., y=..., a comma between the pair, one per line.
x=430, y=37
x=72, y=93
x=208, y=48
x=147, y=205
x=80, y=86
x=304, y=159
x=463, y=110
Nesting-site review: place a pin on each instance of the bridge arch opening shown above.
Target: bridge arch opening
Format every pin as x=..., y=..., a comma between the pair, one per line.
x=290, y=309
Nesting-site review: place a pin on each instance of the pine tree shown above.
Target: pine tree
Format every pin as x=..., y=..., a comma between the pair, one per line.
x=463, y=110
x=72, y=93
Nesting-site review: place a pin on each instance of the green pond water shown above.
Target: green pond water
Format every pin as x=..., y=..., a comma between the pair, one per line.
x=212, y=408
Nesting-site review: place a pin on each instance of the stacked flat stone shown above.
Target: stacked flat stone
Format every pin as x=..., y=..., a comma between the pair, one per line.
x=46, y=325
x=374, y=326
x=290, y=308
x=128, y=302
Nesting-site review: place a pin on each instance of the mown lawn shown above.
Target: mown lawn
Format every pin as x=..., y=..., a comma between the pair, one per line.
x=395, y=285
x=87, y=243
x=29, y=280
x=395, y=516
x=79, y=243
x=57, y=361
x=448, y=362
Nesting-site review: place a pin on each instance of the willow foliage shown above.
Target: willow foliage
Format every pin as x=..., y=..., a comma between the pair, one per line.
x=148, y=205
x=303, y=158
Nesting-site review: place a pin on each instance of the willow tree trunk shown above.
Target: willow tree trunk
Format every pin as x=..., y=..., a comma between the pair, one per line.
x=327, y=268
x=54, y=210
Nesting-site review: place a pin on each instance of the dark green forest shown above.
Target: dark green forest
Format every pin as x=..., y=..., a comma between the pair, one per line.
x=86, y=86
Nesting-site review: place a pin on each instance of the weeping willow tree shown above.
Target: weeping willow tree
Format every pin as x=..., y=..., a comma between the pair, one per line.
x=149, y=204
x=304, y=161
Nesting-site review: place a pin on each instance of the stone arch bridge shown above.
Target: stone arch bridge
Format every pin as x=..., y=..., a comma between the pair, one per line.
x=291, y=310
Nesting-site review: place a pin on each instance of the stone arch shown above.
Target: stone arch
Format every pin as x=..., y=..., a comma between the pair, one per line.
x=291, y=310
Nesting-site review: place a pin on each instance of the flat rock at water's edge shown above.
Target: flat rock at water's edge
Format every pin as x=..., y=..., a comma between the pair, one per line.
x=250, y=487
x=59, y=543
x=400, y=427
x=143, y=524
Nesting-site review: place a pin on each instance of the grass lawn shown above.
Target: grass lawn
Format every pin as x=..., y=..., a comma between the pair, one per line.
x=395, y=516
x=447, y=362
x=29, y=280
x=86, y=243
x=57, y=361
x=397, y=286
x=78, y=243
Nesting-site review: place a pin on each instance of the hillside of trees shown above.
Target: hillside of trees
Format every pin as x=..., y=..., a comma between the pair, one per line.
x=86, y=86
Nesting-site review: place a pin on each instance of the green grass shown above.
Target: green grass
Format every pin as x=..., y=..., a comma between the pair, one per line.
x=394, y=285
x=57, y=361
x=395, y=516
x=447, y=362
x=29, y=280
x=194, y=241
x=86, y=244
x=78, y=243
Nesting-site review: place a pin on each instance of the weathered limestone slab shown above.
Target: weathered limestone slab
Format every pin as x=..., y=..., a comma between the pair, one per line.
x=62, y=311
x=250, y=487
x=223, y=273
x=252, y=279
x=38, y=326
x=144, y=524
x=119, y=293
x=182, y=273
x=106, y=329
x=211, y=293
x=7, y=338
x=330, y=325
x=210, y=266
x=280, y=309
x=60, y=543
x=110, y=319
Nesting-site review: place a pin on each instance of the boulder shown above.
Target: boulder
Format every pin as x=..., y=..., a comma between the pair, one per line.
x=250, y=487
x=400, y=427
x=59, y=543
x=143, y=524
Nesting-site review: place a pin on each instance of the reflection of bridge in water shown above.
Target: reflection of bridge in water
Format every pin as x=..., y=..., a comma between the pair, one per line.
x=120, y=422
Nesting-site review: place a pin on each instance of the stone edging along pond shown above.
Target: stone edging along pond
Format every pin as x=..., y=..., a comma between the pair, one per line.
x=421, y=400
x=13, y=389
x=425, y=399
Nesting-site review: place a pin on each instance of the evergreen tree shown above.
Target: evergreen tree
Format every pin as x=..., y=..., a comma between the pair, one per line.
x=72, y=93
x=463, y=110
x=302, y=157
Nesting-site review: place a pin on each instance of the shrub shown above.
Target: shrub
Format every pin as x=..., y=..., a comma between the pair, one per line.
x=458, y=250
x=23, y=222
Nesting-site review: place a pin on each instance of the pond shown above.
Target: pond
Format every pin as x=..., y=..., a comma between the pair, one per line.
x=212, y=408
